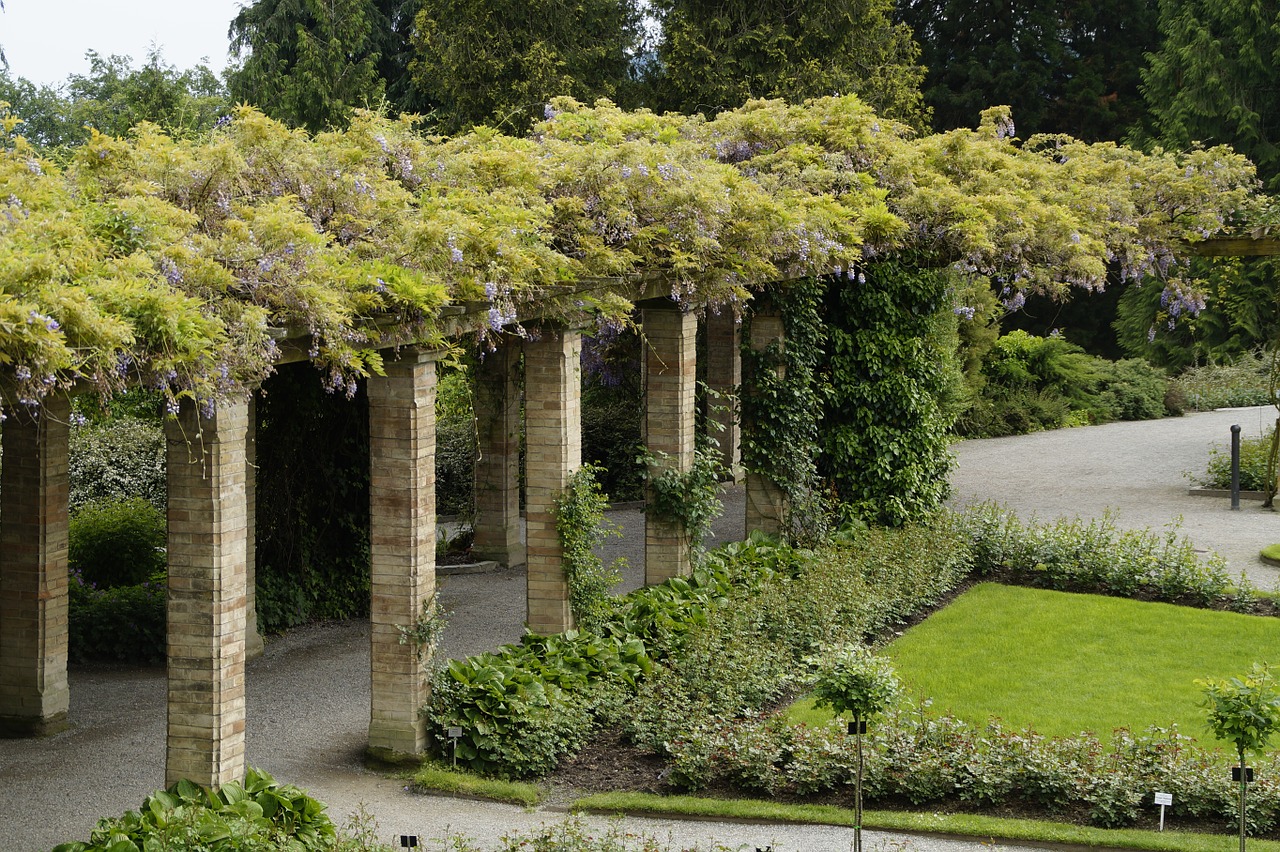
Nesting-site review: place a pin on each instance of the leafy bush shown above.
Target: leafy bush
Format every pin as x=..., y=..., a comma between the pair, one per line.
x=256, y=816
x=1096, y=556
x=1244, y=382
x=1132, y=390
x=123, y=624
x=455, y=445
x=119, y=542
x=581, y=527
x=115, y=459
x=1254, y=456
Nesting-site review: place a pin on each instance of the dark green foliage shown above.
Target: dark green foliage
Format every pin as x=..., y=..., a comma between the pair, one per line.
x=1213, y=79
x=455, y=445
x=1132, y=390
x=690, y=498
x=312, y=501
x=123, y=624
x=715, y=56
x=117, y=542
x=117, y=459
x=1063, y=67
x=1241, y=313
x=310, y=64
x=891, y=363
x=781, y=404
x=259, y=815
x=1254, y=468
x=499, y=62
x=526, y=706
x=613, y=412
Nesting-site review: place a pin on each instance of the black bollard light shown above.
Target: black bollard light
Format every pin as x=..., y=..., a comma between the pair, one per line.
x=1235, y=467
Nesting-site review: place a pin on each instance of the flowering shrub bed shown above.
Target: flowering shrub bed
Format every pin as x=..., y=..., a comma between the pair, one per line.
x=915, y=759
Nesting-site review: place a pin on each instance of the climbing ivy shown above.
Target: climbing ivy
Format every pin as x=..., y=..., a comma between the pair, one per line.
x=689, y=498
x=581, y=527
x=891, y=362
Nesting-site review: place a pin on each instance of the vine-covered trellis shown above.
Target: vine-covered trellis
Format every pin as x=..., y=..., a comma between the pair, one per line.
x=176, y=263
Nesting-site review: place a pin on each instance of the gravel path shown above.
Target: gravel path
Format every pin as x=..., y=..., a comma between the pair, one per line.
x=308, y=695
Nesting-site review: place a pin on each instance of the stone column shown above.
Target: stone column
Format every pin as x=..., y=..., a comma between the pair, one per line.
x=254, y=645
x=670, y=339
x=34, y=696
x=724, y=374
x=766, y=501
x=207, y=593
x=553, y=452
x=402, y=544
x=497, y=407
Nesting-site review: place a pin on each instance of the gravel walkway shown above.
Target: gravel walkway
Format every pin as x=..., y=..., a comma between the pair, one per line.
x=308, y=695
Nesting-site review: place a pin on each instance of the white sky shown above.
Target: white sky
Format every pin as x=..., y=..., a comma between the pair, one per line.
x=45, y=40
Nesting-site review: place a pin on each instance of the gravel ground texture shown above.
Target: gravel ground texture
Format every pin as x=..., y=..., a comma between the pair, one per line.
x=308, y=695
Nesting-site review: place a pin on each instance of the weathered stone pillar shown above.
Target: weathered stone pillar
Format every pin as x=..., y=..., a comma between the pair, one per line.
x=670, y=339
x=553, y=452
x=402, y=544
x=34, y=696
x=254, y=645
x=724, y=374
x=766, y=501
x=207, y=593
x=497, y=407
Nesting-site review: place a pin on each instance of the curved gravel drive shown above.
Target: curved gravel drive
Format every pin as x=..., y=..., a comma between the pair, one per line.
x=308, y=695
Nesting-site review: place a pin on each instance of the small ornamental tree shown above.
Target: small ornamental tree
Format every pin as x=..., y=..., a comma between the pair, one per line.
x=1245, y=711
x=853, y=680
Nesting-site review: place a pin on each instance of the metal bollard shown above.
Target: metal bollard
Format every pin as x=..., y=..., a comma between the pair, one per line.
x=1235, y=467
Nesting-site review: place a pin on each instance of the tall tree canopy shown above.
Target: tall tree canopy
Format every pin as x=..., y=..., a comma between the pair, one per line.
x=1216, y=79
x=310, y=63
x=1064, y=66
x=499, y=62
x=718, y=54
x=114, y=97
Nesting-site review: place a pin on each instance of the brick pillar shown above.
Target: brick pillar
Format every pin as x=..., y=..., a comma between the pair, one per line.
x=207, y=593
x=553, y=451
x=724, y=374
x=402, y=544
x=766, y=501
x=670, y=363
x=34, y=696
x=497, y=407
x=254, y=645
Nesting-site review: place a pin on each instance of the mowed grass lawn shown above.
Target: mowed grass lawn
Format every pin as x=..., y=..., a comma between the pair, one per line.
x=1062, y=663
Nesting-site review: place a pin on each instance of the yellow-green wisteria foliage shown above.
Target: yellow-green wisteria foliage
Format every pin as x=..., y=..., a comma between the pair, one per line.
x=167, y=262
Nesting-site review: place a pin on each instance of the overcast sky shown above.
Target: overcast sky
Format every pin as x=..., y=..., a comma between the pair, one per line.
x=45, y=40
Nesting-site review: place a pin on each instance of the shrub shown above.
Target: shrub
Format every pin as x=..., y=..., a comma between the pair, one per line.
x=116, y=459
x=117, y=542
x=455, y=445
x=1131, y=390
x=1227, y=385
x=1254, y=457
x=123, y=624
x=258, y=815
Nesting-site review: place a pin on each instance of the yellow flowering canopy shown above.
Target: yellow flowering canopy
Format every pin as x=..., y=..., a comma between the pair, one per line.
x=173, y=263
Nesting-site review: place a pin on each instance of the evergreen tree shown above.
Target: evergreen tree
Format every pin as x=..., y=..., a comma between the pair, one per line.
x=1064, y=67
x=717, y=54
x=1215, y=79
x=309, y=63
x=498, y=62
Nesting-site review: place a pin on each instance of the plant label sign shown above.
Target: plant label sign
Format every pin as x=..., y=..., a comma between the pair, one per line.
x=456, y=733
x=1164, y=799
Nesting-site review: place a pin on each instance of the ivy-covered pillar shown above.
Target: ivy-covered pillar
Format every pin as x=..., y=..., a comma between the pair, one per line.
x=724, y=374
x=254, y=645
x=670, y=363
x=553, y=453
x=34, y=696
x=402, y=545
x=497, y=477
x=766, y=500
x=208, y=525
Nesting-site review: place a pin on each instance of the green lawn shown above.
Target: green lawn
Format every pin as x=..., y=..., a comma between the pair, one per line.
x=1063, y=663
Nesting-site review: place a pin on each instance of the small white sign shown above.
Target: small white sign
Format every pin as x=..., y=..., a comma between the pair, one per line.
x=1164, y=798
x=456, y=733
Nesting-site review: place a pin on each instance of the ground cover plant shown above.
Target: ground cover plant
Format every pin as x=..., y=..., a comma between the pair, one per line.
x=1061, y=663
x=1255, y=454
